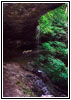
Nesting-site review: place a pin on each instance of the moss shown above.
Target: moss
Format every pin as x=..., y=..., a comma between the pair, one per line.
x=27, y=90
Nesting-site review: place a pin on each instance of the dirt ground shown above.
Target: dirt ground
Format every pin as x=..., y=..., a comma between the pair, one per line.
x=15, y=82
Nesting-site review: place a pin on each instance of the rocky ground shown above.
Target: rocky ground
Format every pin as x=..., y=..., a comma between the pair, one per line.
x=19, y=80
x=15, y=81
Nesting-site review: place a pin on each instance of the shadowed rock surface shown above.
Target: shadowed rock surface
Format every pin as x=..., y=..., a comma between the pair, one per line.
x=22, y=18
x=19, y=24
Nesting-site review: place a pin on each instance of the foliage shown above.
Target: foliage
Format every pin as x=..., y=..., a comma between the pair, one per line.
x=53, y=60
x=54, y=21
x=48, y=47
x=57, y=49
x=56, y=67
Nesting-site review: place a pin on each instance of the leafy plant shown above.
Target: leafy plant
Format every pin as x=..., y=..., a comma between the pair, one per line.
x=53, y=60
x=54, y=23
x=56, y=48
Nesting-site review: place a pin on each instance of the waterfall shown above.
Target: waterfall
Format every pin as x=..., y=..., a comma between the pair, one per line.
x=38, y=37
x=37, y=43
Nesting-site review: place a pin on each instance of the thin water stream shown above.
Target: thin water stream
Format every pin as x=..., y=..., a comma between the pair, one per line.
x=38, y=37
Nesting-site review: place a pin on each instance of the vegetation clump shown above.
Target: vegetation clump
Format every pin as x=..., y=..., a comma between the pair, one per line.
x=54, y=58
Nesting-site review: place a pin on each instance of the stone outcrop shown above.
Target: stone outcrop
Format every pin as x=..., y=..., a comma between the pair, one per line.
x=19, y=25
x=20, y=19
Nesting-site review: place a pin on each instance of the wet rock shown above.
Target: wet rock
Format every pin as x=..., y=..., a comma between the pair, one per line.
x=45, y=90
x=41, y=74
x=39, y=83
x=40, y=87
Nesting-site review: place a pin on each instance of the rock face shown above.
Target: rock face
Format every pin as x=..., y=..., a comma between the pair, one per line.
x=20, y=21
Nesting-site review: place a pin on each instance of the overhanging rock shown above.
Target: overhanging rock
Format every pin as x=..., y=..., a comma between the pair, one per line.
x=20, y=19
